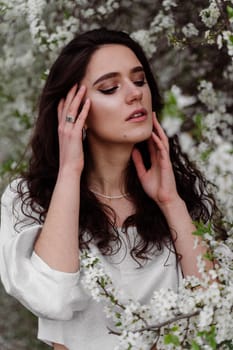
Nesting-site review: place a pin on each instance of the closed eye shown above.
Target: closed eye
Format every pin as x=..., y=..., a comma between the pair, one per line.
x=108, y=91
x=140, y=82
x=113, y=89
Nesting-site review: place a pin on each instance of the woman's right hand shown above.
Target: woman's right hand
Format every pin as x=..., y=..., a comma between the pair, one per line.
x=58, y=241
x=70, y=133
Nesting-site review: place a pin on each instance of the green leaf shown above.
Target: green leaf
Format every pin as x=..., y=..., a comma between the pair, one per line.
x=67, y=14
x=4, y=8
x=195, y=345
x=113, y=299
x=5, y=96
x=102, y=282
x=171, y=339
x=44, y=75
x=205, y=154
x=24, y=119
x=12, y=166
x=171, y=108
x=231, y=38
x=209, y=337
x=202, y=228
x=209, y=256
x=229, y=11
x=198, y=129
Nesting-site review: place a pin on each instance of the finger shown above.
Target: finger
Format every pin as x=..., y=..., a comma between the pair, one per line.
x=60, y=110
x=81, y=119
x=158, y=128
x=76, y=102
x=69, y=98
x=67, y=101
x=70, y=95
x=160, y=146
x=152, y=150
x=138, y=162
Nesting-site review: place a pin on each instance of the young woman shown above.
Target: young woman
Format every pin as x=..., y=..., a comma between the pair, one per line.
x=122, y=189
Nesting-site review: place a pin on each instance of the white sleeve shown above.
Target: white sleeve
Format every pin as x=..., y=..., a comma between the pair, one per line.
x=44, y=291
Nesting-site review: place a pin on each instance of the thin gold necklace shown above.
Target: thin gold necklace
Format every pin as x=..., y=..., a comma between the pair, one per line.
x=109, y=197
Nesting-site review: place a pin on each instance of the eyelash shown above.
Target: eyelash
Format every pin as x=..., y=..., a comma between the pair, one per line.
x=112, y=90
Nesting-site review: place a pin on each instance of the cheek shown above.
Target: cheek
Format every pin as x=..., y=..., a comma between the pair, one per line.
x=97, y=116
x=93, y=113
x=148, y=97
x=101, y=110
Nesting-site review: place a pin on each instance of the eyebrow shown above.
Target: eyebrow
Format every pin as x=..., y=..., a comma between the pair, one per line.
x=115, y=74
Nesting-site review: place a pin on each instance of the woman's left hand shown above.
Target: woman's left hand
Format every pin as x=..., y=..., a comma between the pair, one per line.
x=158, y=181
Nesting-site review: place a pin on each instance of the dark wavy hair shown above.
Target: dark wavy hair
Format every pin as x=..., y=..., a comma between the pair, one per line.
x=96, y=218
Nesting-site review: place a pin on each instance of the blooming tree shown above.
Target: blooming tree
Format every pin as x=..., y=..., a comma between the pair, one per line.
x=191, y=46
x=199, y=316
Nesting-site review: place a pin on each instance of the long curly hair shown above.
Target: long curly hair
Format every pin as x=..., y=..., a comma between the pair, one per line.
x=96, y=218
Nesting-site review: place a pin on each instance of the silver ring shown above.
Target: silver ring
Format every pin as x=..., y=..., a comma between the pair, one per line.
x=70, y=118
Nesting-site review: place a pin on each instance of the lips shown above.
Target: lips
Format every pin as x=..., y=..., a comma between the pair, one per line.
x=139, y=113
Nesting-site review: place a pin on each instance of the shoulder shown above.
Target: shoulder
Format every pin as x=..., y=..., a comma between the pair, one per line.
x=16, y=203
x=12, y=200
x=11, y=192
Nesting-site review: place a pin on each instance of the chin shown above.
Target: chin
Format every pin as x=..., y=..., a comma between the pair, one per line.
x=143, y=135
x=134, y=136
x=137, y=138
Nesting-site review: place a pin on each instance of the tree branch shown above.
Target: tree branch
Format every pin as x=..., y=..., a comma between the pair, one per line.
x=161, y=324
x=222, y=7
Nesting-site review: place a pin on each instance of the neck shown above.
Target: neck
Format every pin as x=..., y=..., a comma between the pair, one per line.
x=107, y=168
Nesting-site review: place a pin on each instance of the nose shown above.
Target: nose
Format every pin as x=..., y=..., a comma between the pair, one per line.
x=134, y=93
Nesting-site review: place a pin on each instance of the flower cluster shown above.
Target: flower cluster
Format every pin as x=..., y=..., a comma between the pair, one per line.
x=214, y=155
x=189, y=30
x=211, y=14
x=199, y=313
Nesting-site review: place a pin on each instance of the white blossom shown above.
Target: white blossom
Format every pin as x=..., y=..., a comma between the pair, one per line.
x=146, y=40
x=206, y=305
x=207, y=95
x=189, y=30
x=220, y=41
x=34, y=11
x=210, y=15
x=182, y=99
x=168, y=4
x=227, y=36
x=171, y=125
x=162, y=22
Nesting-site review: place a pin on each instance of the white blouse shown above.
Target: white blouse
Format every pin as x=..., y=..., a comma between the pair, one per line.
x=67, y=313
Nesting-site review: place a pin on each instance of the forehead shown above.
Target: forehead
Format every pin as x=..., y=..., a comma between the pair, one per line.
x=111, y=58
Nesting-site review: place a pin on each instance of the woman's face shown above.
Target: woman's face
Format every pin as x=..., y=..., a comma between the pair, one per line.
x=121, y=106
